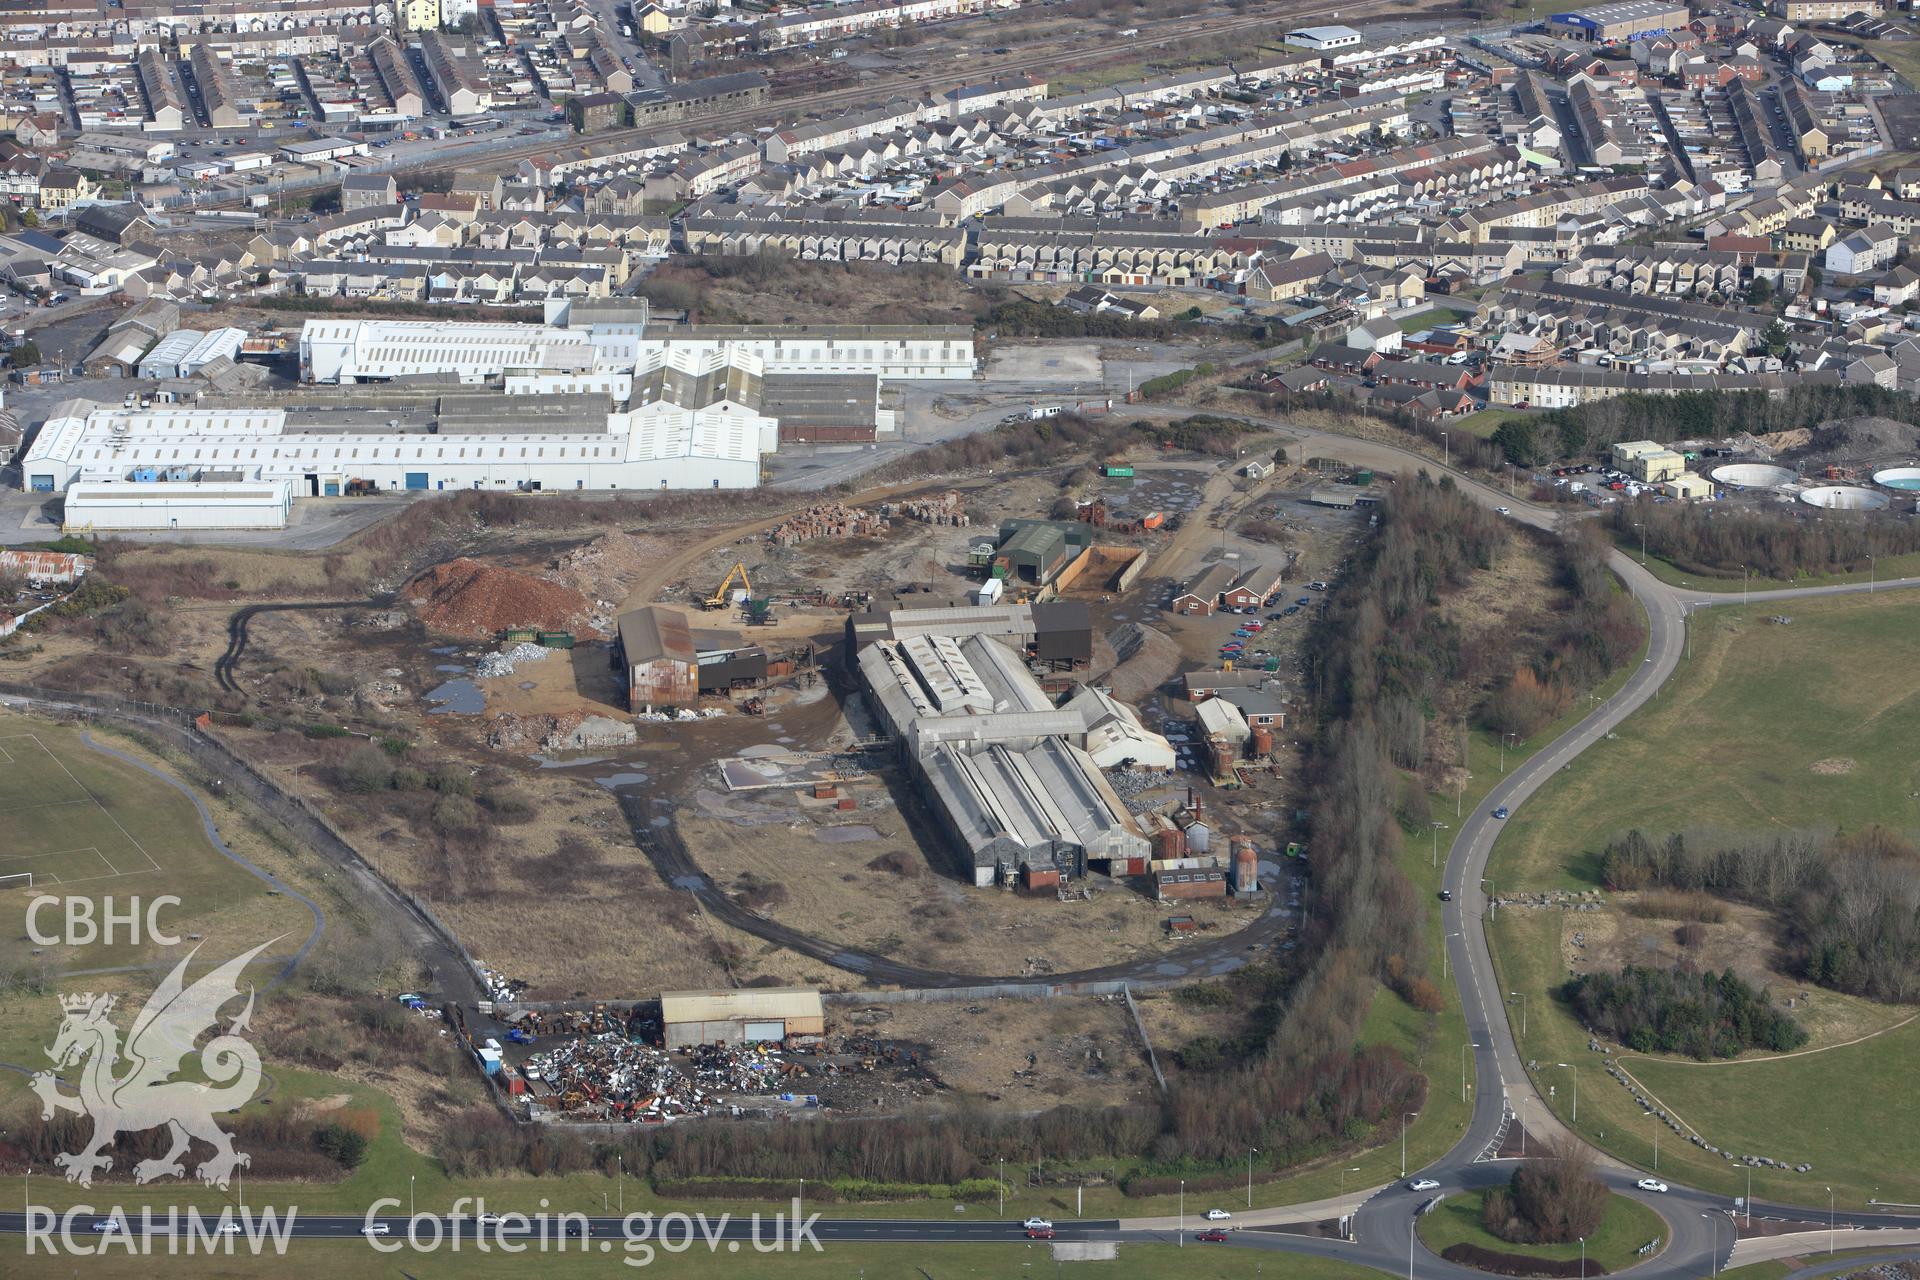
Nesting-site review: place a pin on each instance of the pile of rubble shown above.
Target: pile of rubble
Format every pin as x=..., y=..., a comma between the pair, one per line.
x=1565, y=899
x=574, y=731
x=604, y=567
x=947, y=509
x=500, y=987
x=467, y=598
x=827, y=520
x=681, y=713
x=503, y=662
x=1136, y=787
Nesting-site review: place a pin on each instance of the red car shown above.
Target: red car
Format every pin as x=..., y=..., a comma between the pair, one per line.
x=1039, y=1233
x=1215, y=1236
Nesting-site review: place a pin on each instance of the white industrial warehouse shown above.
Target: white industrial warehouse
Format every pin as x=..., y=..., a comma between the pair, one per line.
x=602, y=398
x=350, y=351
x=177, y=504
x=606, y=399
x=653, y=447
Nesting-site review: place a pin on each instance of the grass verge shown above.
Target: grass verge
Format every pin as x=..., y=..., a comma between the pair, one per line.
x=1886, y=569
x=1615, y=1244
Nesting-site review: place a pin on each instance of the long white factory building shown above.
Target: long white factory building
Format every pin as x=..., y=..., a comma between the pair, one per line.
x=348, y=351
x=630, y=450
x=606, y=400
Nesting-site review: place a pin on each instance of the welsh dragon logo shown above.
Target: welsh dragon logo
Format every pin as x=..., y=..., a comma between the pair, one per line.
x=144, y=1095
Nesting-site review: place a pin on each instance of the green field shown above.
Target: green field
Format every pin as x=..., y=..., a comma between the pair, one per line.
x=326, y=1260
x=85, y=824
x=1731, y=740
x=1731, y=743
x=1615, y=1244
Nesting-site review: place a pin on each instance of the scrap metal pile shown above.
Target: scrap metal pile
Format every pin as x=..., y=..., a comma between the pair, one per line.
x=613, y=1075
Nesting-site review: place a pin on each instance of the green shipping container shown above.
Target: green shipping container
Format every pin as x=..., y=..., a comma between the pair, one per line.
x=557, y=639
x=1119, y=473
x=522, y=635
x=1363, y=477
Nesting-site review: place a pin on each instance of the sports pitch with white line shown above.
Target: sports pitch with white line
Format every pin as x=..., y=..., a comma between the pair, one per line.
x=56, y=828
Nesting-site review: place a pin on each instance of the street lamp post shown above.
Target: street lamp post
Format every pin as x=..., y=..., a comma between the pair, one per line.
x=1438, y=827
x=1521, y=996
x=410, y=1178
x=1829, y=1222
x=1870, y=573
x=1576, y=1089
x=1000, y=1179
x=1583, y=1258
x=1463, y=1068
x=1251, y=1153
x=1443, y=957
x=1446, y=451
x=1643, y=542
x=1493, y=896
x=1404, y=1117
x=1183, y=1213
x=1410, y=1225
x=1714, y=1222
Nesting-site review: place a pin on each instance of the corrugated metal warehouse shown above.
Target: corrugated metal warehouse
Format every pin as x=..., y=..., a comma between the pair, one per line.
x=1037, y=550
x=825, y=408
x=656, y=652
x=750, y=1016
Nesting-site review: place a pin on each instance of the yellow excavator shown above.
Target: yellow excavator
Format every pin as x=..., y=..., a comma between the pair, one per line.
x=722, y=595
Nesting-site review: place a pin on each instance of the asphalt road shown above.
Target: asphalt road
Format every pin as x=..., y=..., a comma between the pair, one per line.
x=1696, y=1240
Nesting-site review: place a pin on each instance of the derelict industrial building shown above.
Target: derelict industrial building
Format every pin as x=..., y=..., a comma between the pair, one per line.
x=1014, y=779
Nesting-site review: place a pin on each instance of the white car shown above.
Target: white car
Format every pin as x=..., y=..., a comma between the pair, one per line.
x=1423, y=1184
x=107, y=1224
x=1037, y=1224
x=1218, y=1215
x=376, y=1229
x=231, y=1228
x=489, y=1219
x=1502, y=511
x=1651, y=1184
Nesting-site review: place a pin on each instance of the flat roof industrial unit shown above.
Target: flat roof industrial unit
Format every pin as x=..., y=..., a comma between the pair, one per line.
x=1324, y=37
x=1609, y=22
x=178, y=504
